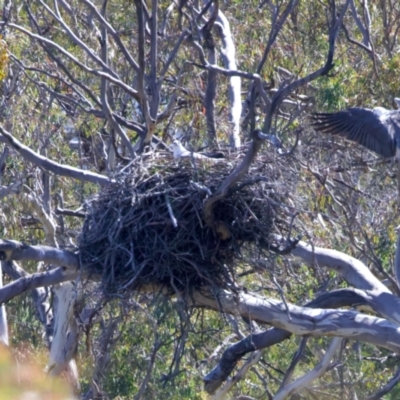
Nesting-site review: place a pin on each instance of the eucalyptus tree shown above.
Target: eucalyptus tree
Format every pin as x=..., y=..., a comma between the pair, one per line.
x=90, y=88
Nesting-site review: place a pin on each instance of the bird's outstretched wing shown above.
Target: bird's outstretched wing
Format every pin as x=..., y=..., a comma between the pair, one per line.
x=373, y=130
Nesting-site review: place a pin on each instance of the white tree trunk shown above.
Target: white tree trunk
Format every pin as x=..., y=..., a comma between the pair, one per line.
x=65, y=338
x=228, y=53
x=3, y=316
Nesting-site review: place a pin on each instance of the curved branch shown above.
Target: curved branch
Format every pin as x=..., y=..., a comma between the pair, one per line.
x=36, y=280
x=257, y=341
x=285, y=91
x=354, y=271
x=17, y=251
x=300, y=320
x=99, y=73
x=230, y=180
x=48, y=165
x=40, y=297
x=310, y=376
x=304, y=320
x=231, y=356
x=374, y=293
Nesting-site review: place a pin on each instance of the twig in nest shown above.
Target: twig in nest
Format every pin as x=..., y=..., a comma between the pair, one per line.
x=148, y=227
x=197, y=185
x=171, y=213
x=291, y=151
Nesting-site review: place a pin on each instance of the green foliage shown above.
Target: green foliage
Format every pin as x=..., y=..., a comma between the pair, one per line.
x=3, y=59
x=345, y=199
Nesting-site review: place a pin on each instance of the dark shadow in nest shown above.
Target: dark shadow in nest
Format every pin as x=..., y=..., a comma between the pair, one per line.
x=147, y=228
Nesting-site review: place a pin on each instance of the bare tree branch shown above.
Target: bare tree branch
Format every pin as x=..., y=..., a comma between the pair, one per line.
x=141, y=76
x=33, y=281
x=100, y=74
x=104, y=94
x=40, y=297
x=296, y=358
x=353, y=270
x=114, y=34
x=11, y=189
x=65, y=339
x=318, y=371
x=287, y=89
x=17, y=251
x=306, y=321
x=47, y=222
x=262, y=340
x=253, y=360
x=211, y=89
x=48, y=165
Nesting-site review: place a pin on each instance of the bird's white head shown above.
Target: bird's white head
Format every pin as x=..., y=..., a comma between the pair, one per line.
x=177, y=148
x=380, y=111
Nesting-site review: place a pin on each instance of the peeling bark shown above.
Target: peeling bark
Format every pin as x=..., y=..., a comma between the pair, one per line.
x=305, y=321
x=256, y=341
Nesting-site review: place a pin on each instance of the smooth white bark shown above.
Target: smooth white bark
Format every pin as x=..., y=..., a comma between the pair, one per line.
x=3, y=316
x=303, y=320
x=65, y=339
x=228, y=53
x=375, y=293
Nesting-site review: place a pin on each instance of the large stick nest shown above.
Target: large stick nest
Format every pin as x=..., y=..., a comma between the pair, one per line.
x=147, y=228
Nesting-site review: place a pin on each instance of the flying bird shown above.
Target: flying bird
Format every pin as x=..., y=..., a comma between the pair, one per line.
x=180, y=151
x=377, y=129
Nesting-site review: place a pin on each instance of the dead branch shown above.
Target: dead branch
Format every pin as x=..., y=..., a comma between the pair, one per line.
x=310, y=376
x=262, y=340
x=211, y=89
x=286, y=90
x=17, y=251
x=228, y=54
x=353, y=270
x=48, y=165
x=36, y=280
x=304, y=320
x=40, y=297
